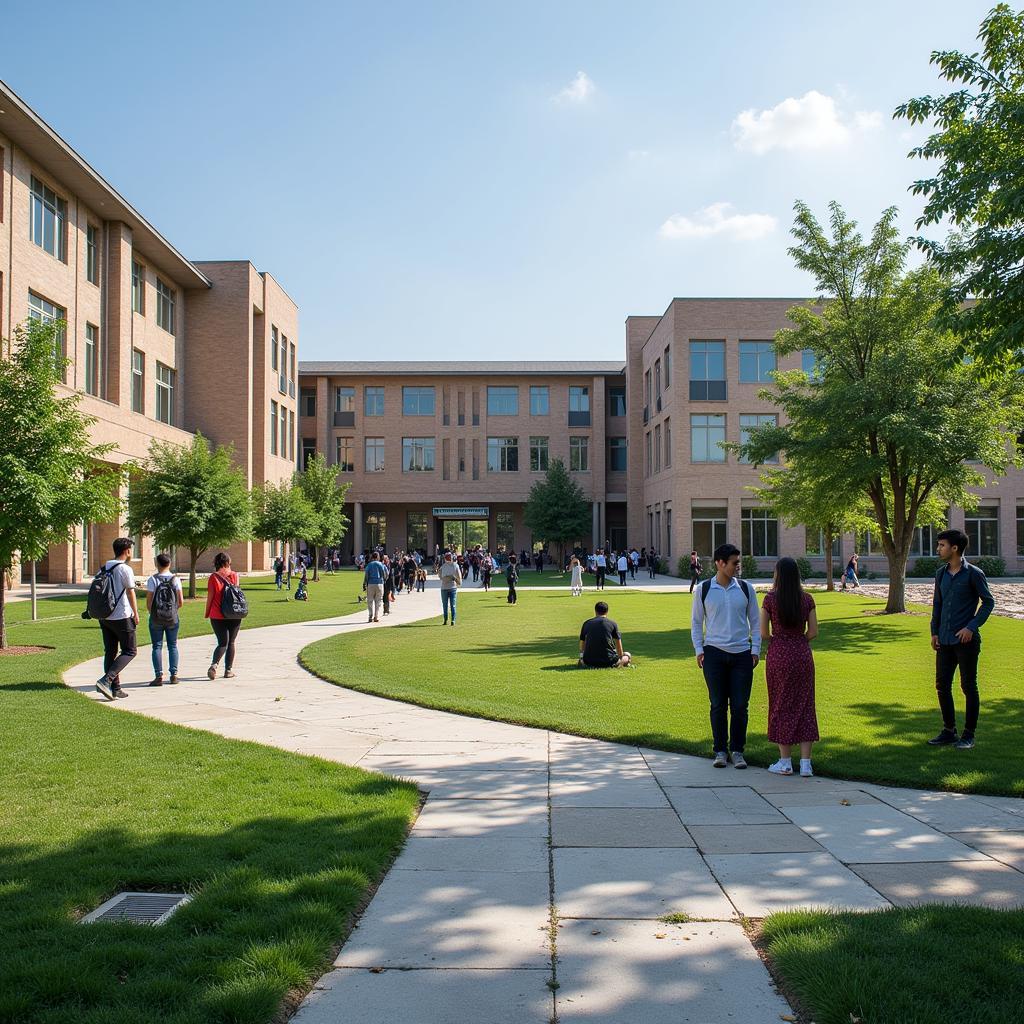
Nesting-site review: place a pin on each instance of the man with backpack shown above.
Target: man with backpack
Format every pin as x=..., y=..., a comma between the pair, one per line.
x=163, y=599
x=695, y=569
x=726, y=631
x=112, y=601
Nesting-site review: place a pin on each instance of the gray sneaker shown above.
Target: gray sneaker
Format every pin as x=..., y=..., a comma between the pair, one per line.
x=738, y=760
x=103, y=686
x=721, y=759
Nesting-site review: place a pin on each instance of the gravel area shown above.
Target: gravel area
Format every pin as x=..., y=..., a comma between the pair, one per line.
x=1009, y=596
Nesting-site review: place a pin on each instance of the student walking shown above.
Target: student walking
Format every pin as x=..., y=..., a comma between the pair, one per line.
x=486, y=569
x=850, y=574
x=512, y=577
x=373, y=583
x=634, y=562
x=118, y=613
x=652, y=562
x=576, y=579
x=600, y=568
x=389, y=584
x=961, y=604
x=225, y=629
x=726, y=632
x=279, y=571
x=163, y=600
x=451, y=580
x=788, y=616
x=695, y=569
x=622, y=565
x=421, y=580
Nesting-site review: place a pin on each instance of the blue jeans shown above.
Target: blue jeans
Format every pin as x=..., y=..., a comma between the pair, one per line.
x=448, y=601
x=157, y=634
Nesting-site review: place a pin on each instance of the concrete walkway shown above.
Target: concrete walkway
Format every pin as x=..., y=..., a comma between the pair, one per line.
x=533, y=883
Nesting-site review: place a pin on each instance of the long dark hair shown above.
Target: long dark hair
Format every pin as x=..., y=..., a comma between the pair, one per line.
x=788, y=593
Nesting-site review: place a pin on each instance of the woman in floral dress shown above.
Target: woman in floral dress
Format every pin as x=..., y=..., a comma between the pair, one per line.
x=789, y=618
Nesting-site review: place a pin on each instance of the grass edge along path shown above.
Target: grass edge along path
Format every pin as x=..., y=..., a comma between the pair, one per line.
x=281, y=851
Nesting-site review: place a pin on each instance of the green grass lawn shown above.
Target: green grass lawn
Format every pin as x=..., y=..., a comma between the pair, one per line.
x=875, y=682
x=280, y=850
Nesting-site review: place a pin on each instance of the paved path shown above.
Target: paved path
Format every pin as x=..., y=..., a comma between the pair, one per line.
x=529, y=835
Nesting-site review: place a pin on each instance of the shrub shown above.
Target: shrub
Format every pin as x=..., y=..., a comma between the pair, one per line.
x=748, y=567
x=683, y=566
x=707, y=569
x=927, y=566
x=804, y=565
x=991, y=565
x=662, y=566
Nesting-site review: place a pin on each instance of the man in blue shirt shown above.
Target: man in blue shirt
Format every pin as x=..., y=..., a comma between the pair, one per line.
x=374, y=578
x=956, y=619
x=726, y=631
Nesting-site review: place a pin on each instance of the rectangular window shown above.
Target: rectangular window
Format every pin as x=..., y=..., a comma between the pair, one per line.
x=657, y=380
x=92, y=360
x=579, y=454
x=814, y=543
x=707, y=435
x=668, y=532
x=345, y=400
x=165, y=299
x=809, y=364
x=273, y=428
x=284, y=432
x=668, y=443
x=138, y=381
x=308, y=451
x=92, y=254
x=617, y=454
x=757, y=361
x=502, y=401
x=416, y=531
x=502, y=454
x=539, y=400
x=345, y=454
x=375, y=533
x=667, y=365
x=657, y=448
x=709, y=530
x=647, y=394
x=579, y=399
x=616, y=401
x=374, y=455
x=138, y=288
x=46, y=312
x=417, y=454
x=47, y=219
x=648, y=459
x=373, y=401
x=291, y=435
x=923, y=543
x=749, y=423
x=307, y=401
x=982, y=529
x=707, y=371
x=274, y=342
x=1020, y=530
x=164, y=393
x=505, y=532
x=538, y=454
x=282, y=373
x=759, y=532
x=291, y=368
x=418, y=401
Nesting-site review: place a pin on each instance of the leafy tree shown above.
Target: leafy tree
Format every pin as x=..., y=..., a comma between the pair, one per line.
x=282, y=512
x=979, y=184
x=319, y=483
x=189, y=496
x=891, y=415
x=49, y=476
x=557, y=509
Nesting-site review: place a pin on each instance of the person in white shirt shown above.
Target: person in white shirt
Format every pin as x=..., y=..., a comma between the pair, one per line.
x=119, y=626
x=600, y=568
x=623, y=567
x=634, y=561
x=163, y=618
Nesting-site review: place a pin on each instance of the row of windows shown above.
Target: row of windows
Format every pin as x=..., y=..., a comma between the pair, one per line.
x=282, y=361
x=375, y=531
x=166, y=298
x=757, y=364
x=282, y=425
x=165, y=384
x=707, y=436
x=662, y=376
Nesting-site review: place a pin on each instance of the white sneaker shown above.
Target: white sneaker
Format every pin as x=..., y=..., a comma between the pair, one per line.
x=721, y=759
x=738, y=760
x=806, y=772
x=781, y=767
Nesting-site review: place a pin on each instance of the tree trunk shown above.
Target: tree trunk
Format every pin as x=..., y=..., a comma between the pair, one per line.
x=829, y=569
x=3, y=608
x=316, y=561
x=194, y=554
x=897, y=601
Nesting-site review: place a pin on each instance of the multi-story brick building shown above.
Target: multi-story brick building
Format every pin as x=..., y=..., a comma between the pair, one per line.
x=157, y=346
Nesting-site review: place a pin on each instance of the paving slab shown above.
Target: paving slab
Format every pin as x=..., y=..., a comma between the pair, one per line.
x=763, y=883
x=820, y=798
x=454, y=919
x=1007, y=847
x=494, y=855
x=467, y=784
x=428, y=997
x=494, y=760
x=663, y=974
x=491, y=818
x=606, y=791
x=686, y=770
x=951, y=812
x=628, y=827
x=984, y=883
x=752, y=839
x=870, y=833
x=635, y=883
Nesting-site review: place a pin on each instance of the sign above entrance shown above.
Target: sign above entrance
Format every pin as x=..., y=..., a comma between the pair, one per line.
x=461, y=511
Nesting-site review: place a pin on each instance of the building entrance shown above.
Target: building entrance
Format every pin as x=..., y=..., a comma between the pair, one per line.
x=463, y=534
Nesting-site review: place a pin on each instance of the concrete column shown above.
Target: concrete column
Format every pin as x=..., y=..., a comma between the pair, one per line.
x=357, y=527
x=595, y=530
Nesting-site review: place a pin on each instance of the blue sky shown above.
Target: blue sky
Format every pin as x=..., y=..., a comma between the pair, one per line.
x=441, y=180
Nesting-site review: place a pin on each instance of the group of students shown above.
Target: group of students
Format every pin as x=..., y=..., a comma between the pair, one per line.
x=113, y=603
x=384, y=578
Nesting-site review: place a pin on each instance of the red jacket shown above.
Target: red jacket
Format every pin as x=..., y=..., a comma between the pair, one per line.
x=214, y=590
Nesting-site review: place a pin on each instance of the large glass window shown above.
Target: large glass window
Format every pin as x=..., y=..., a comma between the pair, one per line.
x=165, y=300
x=1020, y=530
x=707, y=435
x=505, y=532
x=579, y=399
x=375, y=530
x=345, y=454
x=502, y=401
x=759, y=532
x=138, y=288
x=92, y=254
x=707, y=371
x=373, y=401
x=657, y=448
x=47, y=218
x=274, y=343
x=923, y=543
x=657, y=379
x=616, y=401
x=374, y=455
x=617, y=454
x=92, y=360
x=502, y=454
x=138, y=381
x=539, y=400
x=667, y=364
x=749, y=423
x=814, y=542
x=416, y=531
x=164, y=393
x=307, y=401
x=284, y=432
x=291, y=435
x=345, y=400
x=417, y=401
x=282, y=375
x=668, y=442
x=579, y=454
x=709, y=530
x=417, y=454
x=982, y=529
x=46, y=312
x=757, y=361
x=648, y=459
x=308, y=451
x=538, y=454
x=273, y=428
x=809, y=364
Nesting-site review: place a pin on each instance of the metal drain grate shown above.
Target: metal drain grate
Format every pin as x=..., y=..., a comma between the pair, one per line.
x=138, y=907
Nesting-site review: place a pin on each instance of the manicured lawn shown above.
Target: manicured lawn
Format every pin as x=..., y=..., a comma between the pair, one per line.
x=875, y=682
x=926, y=965
x=279, y=850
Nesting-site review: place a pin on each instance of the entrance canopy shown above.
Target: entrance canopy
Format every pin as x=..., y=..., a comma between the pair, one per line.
x=461, y=512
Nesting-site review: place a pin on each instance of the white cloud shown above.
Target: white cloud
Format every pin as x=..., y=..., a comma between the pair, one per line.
x=811, y=122
x=579, y=90
x=718, y=219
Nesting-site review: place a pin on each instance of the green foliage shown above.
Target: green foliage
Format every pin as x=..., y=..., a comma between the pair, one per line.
x=556, y=509
x=749, y=567
x=804, y=565
x=49, y=477
x=978, y=184
x=281, y=512
x=683, y=566
x=190, y=496
x=926, y=567
x=326, y=497
x=991, y=565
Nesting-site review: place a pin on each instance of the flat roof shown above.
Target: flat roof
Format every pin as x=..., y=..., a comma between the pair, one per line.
x=461, y=367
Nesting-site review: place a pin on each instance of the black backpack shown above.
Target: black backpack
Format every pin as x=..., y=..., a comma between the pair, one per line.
x=164, y=611
x=101, y=600
x=706, y=586
x=233, y=604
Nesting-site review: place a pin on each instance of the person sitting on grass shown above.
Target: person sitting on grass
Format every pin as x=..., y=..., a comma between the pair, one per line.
x=601, y=642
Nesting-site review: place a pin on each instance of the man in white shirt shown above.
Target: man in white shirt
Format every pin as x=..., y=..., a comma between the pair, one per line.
x=622, y=564
x=600, y=566
x=119, y=626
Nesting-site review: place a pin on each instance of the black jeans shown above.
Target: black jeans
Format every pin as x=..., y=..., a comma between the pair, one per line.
x=729, y=678
x=117, y=633
x=694, y=577
x=511, y=592
x=947, y=658
x=599, y=573
x=226, y=631
x=622, y=577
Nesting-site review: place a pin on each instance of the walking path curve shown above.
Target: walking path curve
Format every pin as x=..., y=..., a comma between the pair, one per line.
x=531, y=837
